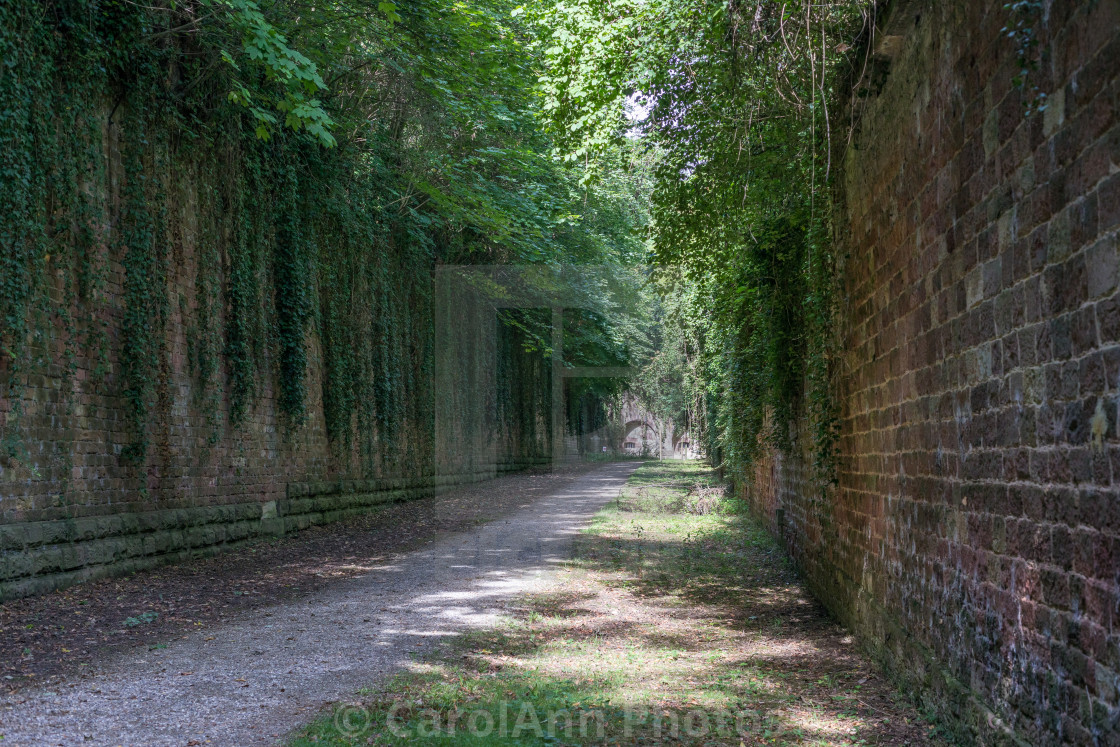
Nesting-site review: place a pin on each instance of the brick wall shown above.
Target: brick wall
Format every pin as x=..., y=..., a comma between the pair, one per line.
x=73, y=508
x=974, y=539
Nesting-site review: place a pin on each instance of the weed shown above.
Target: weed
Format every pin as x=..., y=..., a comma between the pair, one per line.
x=142, y=619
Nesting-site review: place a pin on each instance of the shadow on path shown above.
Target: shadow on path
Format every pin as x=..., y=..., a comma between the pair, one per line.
x=677, y=620
x=250, y=680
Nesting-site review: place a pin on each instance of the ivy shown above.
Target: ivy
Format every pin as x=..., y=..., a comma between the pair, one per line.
x=24, y=94
x=205, y=335
x=1024, y=17
x=145, y=296
x=292, y=304
x=243, y=290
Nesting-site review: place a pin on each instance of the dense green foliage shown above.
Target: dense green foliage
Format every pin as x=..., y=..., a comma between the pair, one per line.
x=670, y=384
x=337, y=151
x=315, y=159
x=739, y=100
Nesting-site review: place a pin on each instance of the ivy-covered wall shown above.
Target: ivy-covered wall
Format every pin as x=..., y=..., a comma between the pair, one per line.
x=973, y=538
x=205, y=336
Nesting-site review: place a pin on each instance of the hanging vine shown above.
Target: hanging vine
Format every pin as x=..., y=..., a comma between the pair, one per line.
x=144, y=292
x=25, y=128
x=290, y=274
x=1023, y=29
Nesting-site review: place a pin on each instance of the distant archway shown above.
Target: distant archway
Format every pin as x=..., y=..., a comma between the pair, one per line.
x=629, y=437
x=682, y=443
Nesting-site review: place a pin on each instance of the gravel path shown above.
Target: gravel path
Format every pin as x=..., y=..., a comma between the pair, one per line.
x=253, y=680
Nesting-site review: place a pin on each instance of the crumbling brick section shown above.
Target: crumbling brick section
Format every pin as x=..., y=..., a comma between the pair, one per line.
x=974, y=538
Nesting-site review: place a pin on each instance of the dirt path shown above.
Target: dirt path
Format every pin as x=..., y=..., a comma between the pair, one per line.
x=50, y=639
x=678, y=620
x=250, y=680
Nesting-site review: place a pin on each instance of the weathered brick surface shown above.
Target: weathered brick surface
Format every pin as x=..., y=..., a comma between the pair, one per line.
x=974, y=538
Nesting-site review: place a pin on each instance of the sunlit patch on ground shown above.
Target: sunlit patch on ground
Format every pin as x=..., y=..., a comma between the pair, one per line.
x=677, y=621
x=55, y=637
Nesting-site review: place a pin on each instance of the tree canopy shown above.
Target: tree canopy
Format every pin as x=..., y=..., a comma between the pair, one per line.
x=745, y=104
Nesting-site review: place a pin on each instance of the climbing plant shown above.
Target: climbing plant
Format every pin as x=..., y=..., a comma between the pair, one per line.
x=1024, y=19
x=144, y=293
